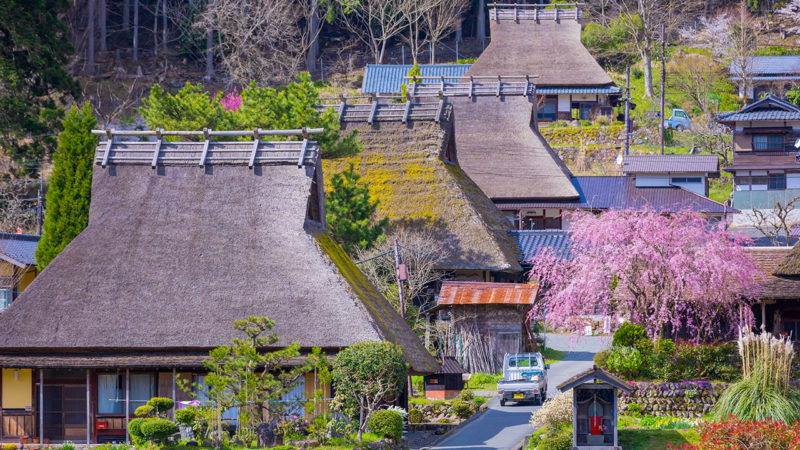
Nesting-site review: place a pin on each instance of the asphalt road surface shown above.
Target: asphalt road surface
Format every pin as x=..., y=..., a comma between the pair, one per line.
x=503, y=427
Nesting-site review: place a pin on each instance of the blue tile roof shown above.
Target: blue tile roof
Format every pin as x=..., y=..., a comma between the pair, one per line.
x=533, y=242
x=768, y=108
x=387, y=78
x=19, y=249
x=770, y=65
x=610, y=89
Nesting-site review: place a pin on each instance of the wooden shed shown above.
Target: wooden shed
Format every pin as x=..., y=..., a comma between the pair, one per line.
x=594, y=408
x=447, y=383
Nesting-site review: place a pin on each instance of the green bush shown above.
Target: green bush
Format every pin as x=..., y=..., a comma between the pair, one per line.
x=462, y=410
x=143, y=411
x=8, y=447
x=466, y=396
x=415, y=416
x=627, y=335
x=158, y=429
x=556, y=439
x=135, y=430
x=626, y=361
x=601, y=359
x=388, y=423
x=634, y=409
x=161, y=404
x=444, y=420
x=185, y=417
x=67, y=446
x=479, y=401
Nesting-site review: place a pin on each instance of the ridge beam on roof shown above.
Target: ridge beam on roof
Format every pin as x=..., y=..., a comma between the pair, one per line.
x=517, y=11
x=161, y=132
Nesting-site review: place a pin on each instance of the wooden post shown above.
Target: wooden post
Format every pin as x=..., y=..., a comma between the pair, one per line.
x=135, y=30
x=627, y=110
x=663, y=86
x=174, y=398
x=90, y=31
x=763, y=315
x=88, y=408
x=41, y=405
x=574, y=418
x=127, y=404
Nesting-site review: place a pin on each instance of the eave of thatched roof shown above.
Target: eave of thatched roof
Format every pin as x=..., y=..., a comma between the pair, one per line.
x=173, y=255
x=790, y=266
x=775, y=285
x=550, y=49
x=499, y=149
x=403, y=165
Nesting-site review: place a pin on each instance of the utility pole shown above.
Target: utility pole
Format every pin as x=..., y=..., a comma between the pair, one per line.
x=40, y=203
x=401, y=272
x=663, y=84
x=627, y=110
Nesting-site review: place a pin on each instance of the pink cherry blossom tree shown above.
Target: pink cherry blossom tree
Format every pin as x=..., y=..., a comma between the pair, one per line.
x=664, y=272
x=232, y=101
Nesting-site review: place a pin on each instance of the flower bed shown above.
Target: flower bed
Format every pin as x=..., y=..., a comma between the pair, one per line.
x=691, y=399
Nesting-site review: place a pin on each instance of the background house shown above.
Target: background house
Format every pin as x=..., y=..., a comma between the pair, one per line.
x=767, y=74
x=779, y=306
x=690, y=172
x=388, y=78
x=766, y=167
x=181, y=241
x=17, y=265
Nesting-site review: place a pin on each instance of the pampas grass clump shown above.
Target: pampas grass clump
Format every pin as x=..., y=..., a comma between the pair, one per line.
x=764, y=392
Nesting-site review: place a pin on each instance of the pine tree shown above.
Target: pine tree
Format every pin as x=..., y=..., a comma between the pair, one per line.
x=349, y=212
x=70, y=186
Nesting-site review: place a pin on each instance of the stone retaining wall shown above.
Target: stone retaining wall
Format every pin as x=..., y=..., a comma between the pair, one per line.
x=690, y=399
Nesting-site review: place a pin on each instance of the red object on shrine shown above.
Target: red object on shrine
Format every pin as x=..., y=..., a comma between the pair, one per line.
x=596, y=424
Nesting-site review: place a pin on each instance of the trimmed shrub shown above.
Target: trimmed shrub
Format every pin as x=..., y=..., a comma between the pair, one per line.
x=466, y=396
x=735, y=433
x=556, y=439
x=185, y=417
x=161, y=404
x=601, y=359
x=144, y=411
x=626, y=361
x=415, y=416
x=627, y=335
x=388, y=423
x=135, y=430
x=462, y=410
x=8, y=447
x=158, y=429
x=444, y=420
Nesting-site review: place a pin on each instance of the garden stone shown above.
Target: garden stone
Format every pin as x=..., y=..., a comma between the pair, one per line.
x=268, y=435
x=305, y=443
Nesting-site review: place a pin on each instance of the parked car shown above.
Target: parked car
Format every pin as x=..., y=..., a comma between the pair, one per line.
x=679, y=121
x=524, y=378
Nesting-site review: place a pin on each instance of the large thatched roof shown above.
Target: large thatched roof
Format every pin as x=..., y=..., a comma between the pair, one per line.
x=174, y=254
x=778, y=282
x=548, y=48
x=790, y=266
x=503, y=153
x=407, y=169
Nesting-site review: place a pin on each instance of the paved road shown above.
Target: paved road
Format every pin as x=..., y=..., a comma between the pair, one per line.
x=504, y=427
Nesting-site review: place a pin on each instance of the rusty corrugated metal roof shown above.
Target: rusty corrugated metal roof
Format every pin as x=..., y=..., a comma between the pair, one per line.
x=483, y=293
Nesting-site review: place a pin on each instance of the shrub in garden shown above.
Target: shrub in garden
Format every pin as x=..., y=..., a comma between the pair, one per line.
x=388, y=423
x=466, y=396
x=462, y=410
x=764, y=392
x=144, y=411
x=8, y=447
x=415, y=416
x=735, y=433
x=626, y=361
x=554, y=413
x=186, y=416
x=601, y=359
x=444, y=420
x=628, y=334
x=634, y=409
x=135, y=430
x=559, y=438
x=161, y=405
x=158, y=429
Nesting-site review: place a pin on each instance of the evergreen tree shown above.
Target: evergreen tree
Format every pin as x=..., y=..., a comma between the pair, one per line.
x=33, y=49
x=70, y=186
x=349, y=212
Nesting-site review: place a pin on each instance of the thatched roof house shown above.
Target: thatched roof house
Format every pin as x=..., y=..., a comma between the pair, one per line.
x=779, y=308
x=410, y=167
x=183, y=239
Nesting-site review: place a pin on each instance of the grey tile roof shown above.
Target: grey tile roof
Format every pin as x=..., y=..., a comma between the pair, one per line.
x=608, y=89
x=768, y=108
x=608, y=192
x=671, y=164
x=533, y=242
x=19, y=249
x=387, y=78
x=770, y=65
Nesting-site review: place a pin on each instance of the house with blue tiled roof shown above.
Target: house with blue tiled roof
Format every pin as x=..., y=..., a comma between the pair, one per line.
x=766, y=158
x=17, y=265
x=766, y=74
x=387, y=78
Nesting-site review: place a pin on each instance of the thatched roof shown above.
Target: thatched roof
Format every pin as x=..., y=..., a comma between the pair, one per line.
x=500, y=150
x=776, y=285
x=174, y=254
x=406, y=168
x=548, y=48
x=790, y=266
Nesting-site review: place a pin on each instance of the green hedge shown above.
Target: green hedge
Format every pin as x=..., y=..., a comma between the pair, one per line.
x=388, y=423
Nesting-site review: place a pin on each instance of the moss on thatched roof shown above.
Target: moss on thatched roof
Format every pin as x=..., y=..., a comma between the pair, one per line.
x=790, y=266
x=405, y=169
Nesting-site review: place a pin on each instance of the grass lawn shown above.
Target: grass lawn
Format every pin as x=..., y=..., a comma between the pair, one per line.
x=552, y=355
x=631, y=439
x=483, y=382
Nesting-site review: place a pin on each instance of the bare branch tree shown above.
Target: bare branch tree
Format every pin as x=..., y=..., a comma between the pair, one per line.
x=109, y=103
x=419, y=250
x=374, y=22
x=261, y=40
x=775, y=224
x=413, y=11
x=710, y=137
x=744, y=38
x=696, y=75
x=441, y=19
x=600, y=10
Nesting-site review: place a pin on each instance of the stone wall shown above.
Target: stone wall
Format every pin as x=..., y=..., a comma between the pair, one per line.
x=690, y=399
